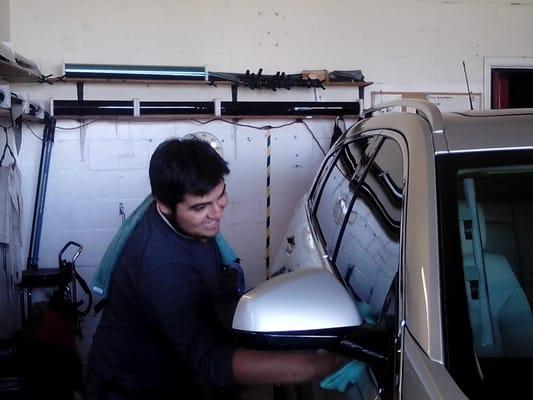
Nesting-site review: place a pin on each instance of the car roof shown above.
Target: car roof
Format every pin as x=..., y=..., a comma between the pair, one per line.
x=485, y=130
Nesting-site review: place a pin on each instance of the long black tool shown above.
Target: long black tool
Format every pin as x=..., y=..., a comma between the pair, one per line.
x=468, y=87
x=40, y=195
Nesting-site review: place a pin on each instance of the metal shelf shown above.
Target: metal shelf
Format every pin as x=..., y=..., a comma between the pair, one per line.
x=10, y=72
x=4, y=114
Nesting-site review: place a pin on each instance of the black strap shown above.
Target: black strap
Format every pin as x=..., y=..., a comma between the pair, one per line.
x=98, y=306
x=87, y=291
x=72, y=273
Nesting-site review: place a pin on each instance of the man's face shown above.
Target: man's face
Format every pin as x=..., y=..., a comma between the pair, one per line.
x=200, y=216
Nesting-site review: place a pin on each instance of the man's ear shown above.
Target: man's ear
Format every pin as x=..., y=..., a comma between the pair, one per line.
x=163, y=208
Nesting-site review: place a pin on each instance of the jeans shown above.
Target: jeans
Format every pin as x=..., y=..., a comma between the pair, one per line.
x=98, y=389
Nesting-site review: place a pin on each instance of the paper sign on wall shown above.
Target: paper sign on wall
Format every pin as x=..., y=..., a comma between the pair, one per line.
x=446, y=102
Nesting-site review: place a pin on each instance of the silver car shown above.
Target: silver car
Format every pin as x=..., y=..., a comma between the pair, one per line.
x=413, y=252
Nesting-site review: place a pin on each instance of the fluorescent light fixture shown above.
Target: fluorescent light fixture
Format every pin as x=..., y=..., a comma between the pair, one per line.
x=134, y=72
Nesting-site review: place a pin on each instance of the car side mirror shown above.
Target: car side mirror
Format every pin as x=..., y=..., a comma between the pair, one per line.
x=306, y=309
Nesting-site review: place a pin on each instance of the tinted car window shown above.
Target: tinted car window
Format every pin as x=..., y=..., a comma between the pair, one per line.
x=493, y=204
x=369, y=250
x=487, y=224
x=321, y=178
x=334, y=189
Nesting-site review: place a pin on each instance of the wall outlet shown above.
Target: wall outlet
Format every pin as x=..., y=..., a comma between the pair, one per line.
x=5, y=96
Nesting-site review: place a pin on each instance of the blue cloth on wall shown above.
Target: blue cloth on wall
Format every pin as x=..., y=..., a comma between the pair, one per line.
x=101, y=280
x=229, y=259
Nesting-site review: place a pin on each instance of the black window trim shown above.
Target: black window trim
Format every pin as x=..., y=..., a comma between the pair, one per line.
x=366, y=162
x=394, y=367
x=359, y=173
x=357, y=185
x=316, y=192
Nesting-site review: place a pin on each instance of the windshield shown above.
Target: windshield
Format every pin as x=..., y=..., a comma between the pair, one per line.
x=491, y=262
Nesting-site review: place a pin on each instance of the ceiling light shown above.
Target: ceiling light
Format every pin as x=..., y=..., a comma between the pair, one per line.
x=133, y=72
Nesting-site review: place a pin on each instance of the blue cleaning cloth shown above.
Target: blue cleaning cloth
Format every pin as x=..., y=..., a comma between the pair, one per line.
x=229, y=258
x=351, y=372
x=365, y=312
x=347, y=375
x=101, y=280
x=227, y=255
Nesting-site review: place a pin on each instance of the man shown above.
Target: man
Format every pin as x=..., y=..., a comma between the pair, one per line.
x=160, y=336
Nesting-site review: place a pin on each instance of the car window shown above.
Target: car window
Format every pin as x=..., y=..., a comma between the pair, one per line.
x=486, y=225
x=323, y=174
x=369, y=251
x=334, y=189
x=495, y=208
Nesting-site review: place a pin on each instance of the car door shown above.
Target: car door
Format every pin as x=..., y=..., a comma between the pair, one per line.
x=355, y=208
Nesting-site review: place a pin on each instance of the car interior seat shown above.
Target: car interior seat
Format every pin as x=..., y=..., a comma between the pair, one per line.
x=501, y=233
x=510, y=313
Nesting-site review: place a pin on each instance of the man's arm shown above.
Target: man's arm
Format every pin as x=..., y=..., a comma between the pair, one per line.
x=272, y=367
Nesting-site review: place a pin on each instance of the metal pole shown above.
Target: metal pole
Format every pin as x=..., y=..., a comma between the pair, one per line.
x=40, y=195
x=267, y=227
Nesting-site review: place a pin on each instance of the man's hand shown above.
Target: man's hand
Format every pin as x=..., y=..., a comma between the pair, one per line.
x=276, y=367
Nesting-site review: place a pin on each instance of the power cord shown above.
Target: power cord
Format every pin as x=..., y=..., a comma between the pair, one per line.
x=263, y=127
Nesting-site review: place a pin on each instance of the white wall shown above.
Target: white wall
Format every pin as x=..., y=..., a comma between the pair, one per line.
x=5, y=29
x=86, y=187
x=399, y=45
x=408, y=43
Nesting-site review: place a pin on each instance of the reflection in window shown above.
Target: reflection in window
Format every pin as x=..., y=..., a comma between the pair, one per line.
x=321, y=178
x=495, y=209
x=333, y=207
x=353, y=154
x=335, y=190
x=369, y=252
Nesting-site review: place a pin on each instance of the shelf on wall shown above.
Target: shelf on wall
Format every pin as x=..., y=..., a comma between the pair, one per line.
x=6, y=115
x=166, y=82
x=11, y=72
x=147, y=74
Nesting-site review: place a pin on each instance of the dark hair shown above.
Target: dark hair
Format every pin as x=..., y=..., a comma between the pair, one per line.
x=184, y=166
